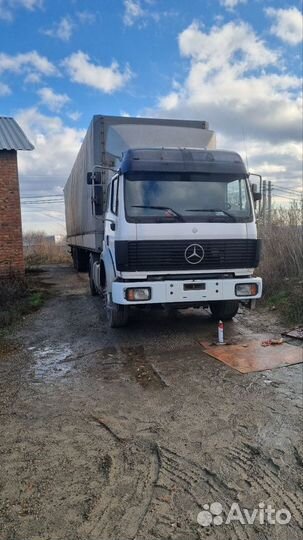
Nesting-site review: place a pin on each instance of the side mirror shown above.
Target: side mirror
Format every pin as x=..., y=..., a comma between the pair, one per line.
x=94, y=179
x=255, y=193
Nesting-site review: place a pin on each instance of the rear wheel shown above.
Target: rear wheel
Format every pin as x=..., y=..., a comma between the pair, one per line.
x=224, y=310
x=80, y=259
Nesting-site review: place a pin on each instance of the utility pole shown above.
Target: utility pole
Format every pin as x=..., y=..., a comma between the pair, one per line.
x=269, y=200
x=264, y=188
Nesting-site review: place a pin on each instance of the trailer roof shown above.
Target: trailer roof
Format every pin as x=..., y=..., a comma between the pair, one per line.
x=202, y=124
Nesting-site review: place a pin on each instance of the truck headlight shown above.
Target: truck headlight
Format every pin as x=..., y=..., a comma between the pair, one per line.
x=137, y=294
x=246, y=289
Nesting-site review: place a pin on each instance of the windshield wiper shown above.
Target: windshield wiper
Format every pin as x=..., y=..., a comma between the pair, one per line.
x=233, y=218
x=174, y=212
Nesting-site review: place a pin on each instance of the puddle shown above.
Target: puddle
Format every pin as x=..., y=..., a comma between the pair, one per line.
x=56, y=362
x=49, y=362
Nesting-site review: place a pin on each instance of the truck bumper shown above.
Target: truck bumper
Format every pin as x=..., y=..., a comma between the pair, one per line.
x=185, y=291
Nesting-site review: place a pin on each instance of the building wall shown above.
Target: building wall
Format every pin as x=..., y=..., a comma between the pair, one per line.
x=11, y=251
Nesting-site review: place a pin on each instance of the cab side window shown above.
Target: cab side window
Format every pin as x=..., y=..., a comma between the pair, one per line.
x=114, y=196
x=108, y=197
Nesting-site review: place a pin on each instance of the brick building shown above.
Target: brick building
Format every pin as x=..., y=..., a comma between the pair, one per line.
x=12, y=139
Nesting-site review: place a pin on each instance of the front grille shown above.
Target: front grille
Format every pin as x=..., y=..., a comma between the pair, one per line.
x=157, y=255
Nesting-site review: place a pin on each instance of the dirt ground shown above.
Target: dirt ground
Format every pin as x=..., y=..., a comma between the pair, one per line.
x=126, y=434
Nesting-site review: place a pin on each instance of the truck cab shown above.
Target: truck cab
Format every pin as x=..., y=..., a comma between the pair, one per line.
x=179, y=231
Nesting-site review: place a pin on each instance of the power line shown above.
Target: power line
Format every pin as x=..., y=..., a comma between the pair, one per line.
x=54, y=218
x=286, y=197
x=293, y=191
x=50, y=176
x=39, y=203
x=38, y=209
x=40, y=196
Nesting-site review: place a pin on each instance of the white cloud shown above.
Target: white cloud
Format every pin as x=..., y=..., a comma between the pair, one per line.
x=74, y=115
x=170, y=101
x=28, y=4
x=56, y=145
x=4, y=89
x=231, y=4
x=288, y=24
x=45, y=170
x=232, y=43
x=7, y=7
x=107, y=79
x=27, y=62
x=86, y=17
x=53, y=101
x=240, y=85
x=62, y=30
x=133, y=12
x=139, y=12
x=32, y=78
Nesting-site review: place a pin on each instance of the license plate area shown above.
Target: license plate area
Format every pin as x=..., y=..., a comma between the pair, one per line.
x=194, y=286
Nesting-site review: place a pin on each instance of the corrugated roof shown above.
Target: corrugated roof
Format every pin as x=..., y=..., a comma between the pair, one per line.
x=12, y=136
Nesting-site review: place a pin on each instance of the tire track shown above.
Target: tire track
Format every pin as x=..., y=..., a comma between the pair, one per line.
x=127, y=493
x=185, y=472
x=268, y=482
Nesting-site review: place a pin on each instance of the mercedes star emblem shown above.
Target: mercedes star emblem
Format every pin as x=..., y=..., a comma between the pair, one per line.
x=194, y=254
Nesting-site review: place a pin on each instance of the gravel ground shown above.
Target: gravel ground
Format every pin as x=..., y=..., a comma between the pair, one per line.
x=126, y=434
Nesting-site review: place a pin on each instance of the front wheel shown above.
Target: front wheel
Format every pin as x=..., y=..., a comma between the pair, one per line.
x=224, y=310
x=92, y=286
x=116, y=314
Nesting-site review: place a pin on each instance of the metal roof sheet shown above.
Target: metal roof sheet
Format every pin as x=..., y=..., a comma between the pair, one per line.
x=12, y=136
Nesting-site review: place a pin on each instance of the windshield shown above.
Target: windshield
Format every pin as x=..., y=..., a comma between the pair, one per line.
x=200, y=197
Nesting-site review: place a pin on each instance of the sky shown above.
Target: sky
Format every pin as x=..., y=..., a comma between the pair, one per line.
x=235, y=63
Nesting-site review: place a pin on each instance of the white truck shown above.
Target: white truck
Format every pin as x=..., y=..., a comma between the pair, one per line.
x=157, y=215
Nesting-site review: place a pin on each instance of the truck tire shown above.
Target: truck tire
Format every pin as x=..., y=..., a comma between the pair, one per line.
x=80, y=259
x=117, y=315
x=224, y=310
x=73, y=253
x=92, y=286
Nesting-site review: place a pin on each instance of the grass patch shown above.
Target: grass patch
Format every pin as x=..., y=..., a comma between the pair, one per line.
x=18, y=298
x=36, y=299
x=288, y=301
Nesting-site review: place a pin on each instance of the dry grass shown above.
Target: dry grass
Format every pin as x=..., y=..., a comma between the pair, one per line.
x=39, y=249
x=282, y=262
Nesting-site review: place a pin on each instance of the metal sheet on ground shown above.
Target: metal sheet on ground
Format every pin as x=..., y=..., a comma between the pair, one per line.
x=251, y=356
x=296, y=333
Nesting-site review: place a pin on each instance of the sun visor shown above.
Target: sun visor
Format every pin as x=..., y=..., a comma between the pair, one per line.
x=178, y=160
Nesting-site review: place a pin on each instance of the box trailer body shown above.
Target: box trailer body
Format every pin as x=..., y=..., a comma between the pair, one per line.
x=159, y=216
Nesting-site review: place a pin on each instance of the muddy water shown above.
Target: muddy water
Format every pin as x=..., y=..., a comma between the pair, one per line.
x=128, y=434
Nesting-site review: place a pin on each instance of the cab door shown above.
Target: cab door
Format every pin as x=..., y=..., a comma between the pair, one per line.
x=111, y=216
